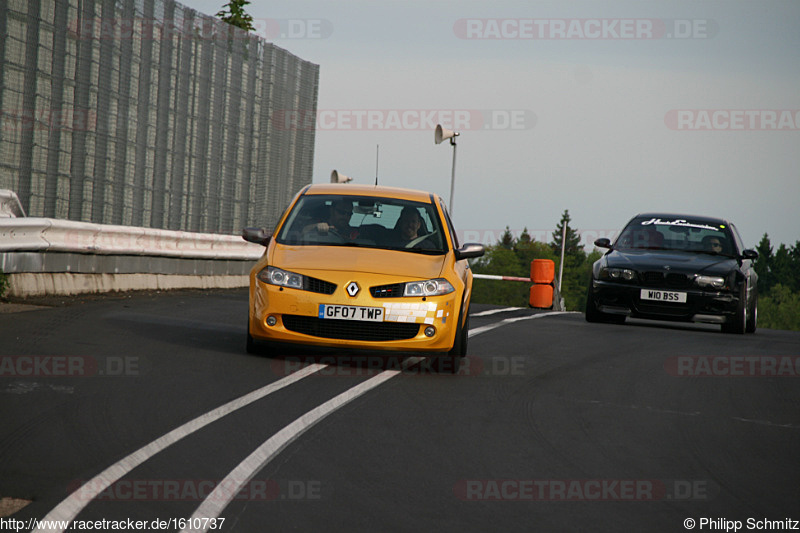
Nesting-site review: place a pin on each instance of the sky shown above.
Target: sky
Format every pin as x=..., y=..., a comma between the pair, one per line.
x=606, y=109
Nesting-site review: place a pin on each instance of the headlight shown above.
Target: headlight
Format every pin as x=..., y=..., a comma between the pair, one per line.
x=282, y=278
x=618, y=274
x=431, y=287
x=712, y=282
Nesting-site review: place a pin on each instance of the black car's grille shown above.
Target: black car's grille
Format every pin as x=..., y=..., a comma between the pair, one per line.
x=388, y=291
x=350, y=329
x=673, y=280
x=653, y=278
x=678, y=281
x=318, y=285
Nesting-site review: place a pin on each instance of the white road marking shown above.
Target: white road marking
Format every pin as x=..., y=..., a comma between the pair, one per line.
x=495, y=325
x=227, y=489
x=495, y=311
x=68, y=509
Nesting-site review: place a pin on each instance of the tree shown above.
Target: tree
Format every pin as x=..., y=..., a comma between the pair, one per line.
x=781, y=269
x=763, y=265
x=573, y=246
x=236, y=15
x=506, y=240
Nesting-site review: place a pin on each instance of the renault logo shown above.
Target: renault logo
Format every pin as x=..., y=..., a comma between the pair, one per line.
x=352, y=288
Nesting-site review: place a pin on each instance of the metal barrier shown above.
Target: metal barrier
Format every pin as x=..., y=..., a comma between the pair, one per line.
x=541, y=278
x=43, y=256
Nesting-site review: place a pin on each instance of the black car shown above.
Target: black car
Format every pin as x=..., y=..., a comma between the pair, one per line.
x=675, y=267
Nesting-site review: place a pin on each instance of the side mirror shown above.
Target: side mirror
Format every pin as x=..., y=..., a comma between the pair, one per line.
x=469, y=251
x=603, y=243
x=257, y=235
x=749, y=254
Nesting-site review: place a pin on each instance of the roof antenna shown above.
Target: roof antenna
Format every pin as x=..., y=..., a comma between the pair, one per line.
x=377, y=154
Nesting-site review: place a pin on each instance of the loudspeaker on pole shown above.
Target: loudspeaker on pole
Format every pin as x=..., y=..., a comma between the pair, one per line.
x=338, y=177
x=443, y=133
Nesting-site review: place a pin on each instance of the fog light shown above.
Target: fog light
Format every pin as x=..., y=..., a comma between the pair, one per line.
x=430, y=331
x=271, y=320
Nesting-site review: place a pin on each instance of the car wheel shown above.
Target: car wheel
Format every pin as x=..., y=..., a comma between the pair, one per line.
x=255, y=347
x=752, y=316
x=451, y=363
x=596, y=316
x=738, y=324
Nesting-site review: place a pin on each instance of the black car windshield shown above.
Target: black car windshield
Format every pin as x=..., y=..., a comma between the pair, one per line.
x=676, y=233
x=364, y=221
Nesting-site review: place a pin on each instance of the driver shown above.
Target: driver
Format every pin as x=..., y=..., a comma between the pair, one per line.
x=338, y=223
x=712, y=244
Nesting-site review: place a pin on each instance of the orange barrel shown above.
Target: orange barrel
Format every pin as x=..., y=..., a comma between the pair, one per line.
x=543, y=270
x=541, y=296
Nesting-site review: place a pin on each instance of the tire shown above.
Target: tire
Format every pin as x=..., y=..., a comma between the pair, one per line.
x=596, y=316
x=738, y=324
x=255, y=347
x=752, y=315
x=451, y=363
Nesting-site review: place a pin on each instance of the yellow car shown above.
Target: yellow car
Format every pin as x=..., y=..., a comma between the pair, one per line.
x=363, y=267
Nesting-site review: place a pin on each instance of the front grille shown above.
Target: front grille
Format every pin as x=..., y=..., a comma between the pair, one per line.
x=350, y=329
x=672, y=279
x=678, y=281
x=388, y=291
x=653, y=278
x=318, y=285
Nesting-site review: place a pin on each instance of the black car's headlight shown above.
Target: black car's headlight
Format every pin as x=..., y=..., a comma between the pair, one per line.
x=430, y=287
x=618, y=274
x=282, y=278
x=710, y=282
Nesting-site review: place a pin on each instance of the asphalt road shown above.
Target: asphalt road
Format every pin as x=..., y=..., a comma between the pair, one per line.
x=554, y=424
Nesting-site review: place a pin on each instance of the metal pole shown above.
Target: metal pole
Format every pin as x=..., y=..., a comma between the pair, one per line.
x=561, y=265
x=453, y=175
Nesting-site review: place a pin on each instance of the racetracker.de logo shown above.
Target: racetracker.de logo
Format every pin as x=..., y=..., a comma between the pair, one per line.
x=733, y=366
x=584, y=490
x=733, y=119
x=48, y=119
x=584, y=29
x=202, y=28
x=404, y=119
x=370, y=365
x=196, y=489
x=67, y=366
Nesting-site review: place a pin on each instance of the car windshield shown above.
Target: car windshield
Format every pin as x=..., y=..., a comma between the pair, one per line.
x=674, y=233
x=364, y=221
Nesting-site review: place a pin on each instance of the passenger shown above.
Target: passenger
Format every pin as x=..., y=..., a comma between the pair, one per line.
x=410, y=227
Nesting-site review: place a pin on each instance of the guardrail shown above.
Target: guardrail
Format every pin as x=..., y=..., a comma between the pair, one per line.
x=42, y=256
x=52, y=235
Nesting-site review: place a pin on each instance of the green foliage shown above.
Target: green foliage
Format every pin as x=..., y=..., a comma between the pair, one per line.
x=513, y=257
x=780, y=309
x=573, y=247
x=236, y=15
x=778, y=285
x=509, y=257
x=4, y=283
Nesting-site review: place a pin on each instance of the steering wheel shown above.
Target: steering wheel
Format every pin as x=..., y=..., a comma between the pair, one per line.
x=419, y=239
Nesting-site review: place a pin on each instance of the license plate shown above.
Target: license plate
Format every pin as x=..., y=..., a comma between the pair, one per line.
x=663, y=296
x=351, y=312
